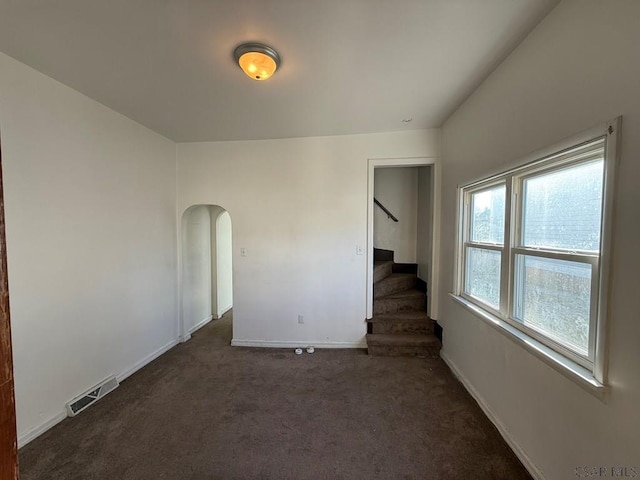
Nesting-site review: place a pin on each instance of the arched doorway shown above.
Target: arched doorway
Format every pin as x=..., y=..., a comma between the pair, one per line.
x=207, y=276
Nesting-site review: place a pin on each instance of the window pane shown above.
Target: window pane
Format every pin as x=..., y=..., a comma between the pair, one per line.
x=482, y=278
x=487, y=215
x=562, y=209
x=554, y=296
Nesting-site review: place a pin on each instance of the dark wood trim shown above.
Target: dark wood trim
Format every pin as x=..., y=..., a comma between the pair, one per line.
x=381, y=255
x=405, y=268
x=8, y=435
x=437, y=330
x=385, y=210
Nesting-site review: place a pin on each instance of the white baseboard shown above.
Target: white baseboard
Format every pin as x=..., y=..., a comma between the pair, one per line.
x=533, y=469
x=294, y=344
x=221, y=313
x=200, y=324
x=146, y=360
x=35, y=432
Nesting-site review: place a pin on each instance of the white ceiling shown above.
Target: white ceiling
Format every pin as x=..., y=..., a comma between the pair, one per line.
x=348, y=66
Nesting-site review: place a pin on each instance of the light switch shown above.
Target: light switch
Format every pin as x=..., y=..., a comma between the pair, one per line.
x=243, y=252
x=359, y=250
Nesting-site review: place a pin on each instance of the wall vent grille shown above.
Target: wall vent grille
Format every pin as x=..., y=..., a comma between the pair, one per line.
x=81, y=402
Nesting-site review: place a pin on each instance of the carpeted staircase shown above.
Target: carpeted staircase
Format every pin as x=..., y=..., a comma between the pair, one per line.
x=400, y=325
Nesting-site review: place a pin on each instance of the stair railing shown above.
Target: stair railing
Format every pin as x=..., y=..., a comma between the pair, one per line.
x=385, y=210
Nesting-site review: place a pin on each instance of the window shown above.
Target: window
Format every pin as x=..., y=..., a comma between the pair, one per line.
x=533, y=243
x=485, y=246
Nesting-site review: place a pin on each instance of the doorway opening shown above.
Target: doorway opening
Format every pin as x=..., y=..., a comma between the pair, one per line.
x=207, y=269
x=411, y=187
x=402, y=219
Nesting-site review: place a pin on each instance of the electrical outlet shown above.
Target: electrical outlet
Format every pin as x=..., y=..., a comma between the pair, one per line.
x=300, y=319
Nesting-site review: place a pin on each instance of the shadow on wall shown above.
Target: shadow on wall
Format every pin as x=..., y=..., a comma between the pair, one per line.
x=207, y=282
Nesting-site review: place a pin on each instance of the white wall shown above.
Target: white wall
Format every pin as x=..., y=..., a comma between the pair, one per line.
x=578, y=68
x=224, y=252
x=214, y=212
x=197, y=271
x=397, y=190
x=90, y=218
x=299, y=207
x=424, y=227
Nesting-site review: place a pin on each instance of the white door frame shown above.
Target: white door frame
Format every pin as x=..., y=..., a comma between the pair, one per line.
x=434, y=270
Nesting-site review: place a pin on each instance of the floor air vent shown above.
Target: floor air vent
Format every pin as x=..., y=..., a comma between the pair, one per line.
x=83, y=401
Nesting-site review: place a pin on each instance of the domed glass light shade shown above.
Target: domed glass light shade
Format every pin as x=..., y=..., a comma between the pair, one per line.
x=258, y=61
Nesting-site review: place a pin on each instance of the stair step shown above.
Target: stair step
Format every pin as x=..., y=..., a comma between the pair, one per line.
x=403, y=345
x=381, y=270
x=402, y=340
x=417, y=322
x=409, y=316
x=405, y=301
x=394, y=283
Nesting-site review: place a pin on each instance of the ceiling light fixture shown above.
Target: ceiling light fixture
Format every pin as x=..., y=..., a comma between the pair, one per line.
x=257, y=60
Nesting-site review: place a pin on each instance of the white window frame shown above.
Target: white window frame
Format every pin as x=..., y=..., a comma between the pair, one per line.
x=589, y=370
x=465, y=198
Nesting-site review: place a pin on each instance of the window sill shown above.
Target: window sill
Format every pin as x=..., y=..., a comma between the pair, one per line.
x=566, y=367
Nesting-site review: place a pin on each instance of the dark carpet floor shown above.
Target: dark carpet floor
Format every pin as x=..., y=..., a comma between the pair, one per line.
x=206, y=410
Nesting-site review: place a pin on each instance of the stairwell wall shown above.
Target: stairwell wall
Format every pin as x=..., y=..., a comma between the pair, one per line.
x=299, y=207
x=424, y=233
x=397, y=189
